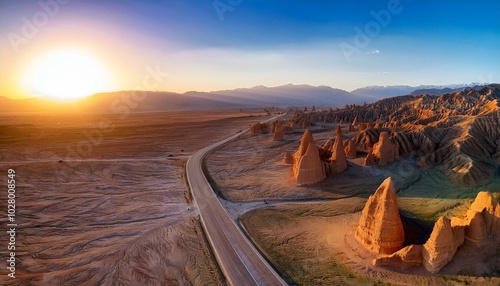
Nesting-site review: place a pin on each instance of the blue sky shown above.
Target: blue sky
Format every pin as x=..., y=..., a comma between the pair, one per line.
x=265, y=42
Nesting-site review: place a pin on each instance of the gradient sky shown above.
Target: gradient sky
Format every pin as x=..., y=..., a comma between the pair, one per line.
x=260, y=42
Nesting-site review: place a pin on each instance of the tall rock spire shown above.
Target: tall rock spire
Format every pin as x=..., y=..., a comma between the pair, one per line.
x=380, y=228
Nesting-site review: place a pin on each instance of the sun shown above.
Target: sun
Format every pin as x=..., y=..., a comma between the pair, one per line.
x=67, y=74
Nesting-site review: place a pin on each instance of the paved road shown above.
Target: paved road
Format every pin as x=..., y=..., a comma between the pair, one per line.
x=241, y=263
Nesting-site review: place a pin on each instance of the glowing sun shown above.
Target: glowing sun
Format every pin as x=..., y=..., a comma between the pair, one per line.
x=68, y=74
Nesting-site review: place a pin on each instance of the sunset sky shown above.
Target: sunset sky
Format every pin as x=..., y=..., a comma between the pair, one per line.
x=213, y=45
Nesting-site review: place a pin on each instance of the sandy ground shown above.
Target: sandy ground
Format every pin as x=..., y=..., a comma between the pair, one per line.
x=307, y=231
x=250, y=169
x=116, y=209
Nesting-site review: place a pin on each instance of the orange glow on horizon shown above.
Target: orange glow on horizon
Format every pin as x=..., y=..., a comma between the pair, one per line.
x=67, y=74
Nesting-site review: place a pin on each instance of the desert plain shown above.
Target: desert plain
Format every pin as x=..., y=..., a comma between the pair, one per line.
x=102, y=199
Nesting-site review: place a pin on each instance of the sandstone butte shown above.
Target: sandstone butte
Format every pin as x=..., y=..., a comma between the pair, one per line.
x=308, y=168
x=441, y=245
x=380, y=229
x=305, y=141
x=350, y=149
x=338, y=160
x=338, y=132
x=279, y=131
x=256, y=128
x=480, y=226
x=384, y=150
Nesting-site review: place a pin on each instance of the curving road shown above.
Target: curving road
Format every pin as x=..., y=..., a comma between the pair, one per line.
x=241, y=263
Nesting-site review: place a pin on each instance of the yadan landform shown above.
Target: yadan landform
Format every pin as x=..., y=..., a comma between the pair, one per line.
x=249, y=143
x=429, y=164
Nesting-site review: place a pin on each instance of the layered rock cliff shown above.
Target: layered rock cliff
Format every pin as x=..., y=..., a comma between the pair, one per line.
x=456, y=132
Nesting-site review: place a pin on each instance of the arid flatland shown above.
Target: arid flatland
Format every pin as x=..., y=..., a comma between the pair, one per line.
x=118, y=212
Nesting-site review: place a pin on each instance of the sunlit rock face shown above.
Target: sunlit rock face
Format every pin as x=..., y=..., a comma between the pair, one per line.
x=380, y=228
x=338, y=132
x=384, y=151
x=369, y=161
x=482, y=221
x=305, y=141
x=308, y=168
x=350, y=150
x=440, y=247
x=480, y=227
x=338, y=159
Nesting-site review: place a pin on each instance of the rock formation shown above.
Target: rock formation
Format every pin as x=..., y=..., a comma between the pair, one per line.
x=368, y=145
x=279, y=131
x=457, y=131
x=350, y=149
x=380, y=228
x=440, y=247
x=351, y=128
x=339, y=131
x=362, y=126
x=328, y=144
x=256, y=128
x=481, y=221
x=305, y=141
x=308, y=168
x=384, y=150
x=369, y=161
x=288, y=159
x=338, y=159
x=480, y=226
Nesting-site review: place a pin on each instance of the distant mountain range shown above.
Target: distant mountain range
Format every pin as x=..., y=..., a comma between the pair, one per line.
x=395, y=90
x=259, y=96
